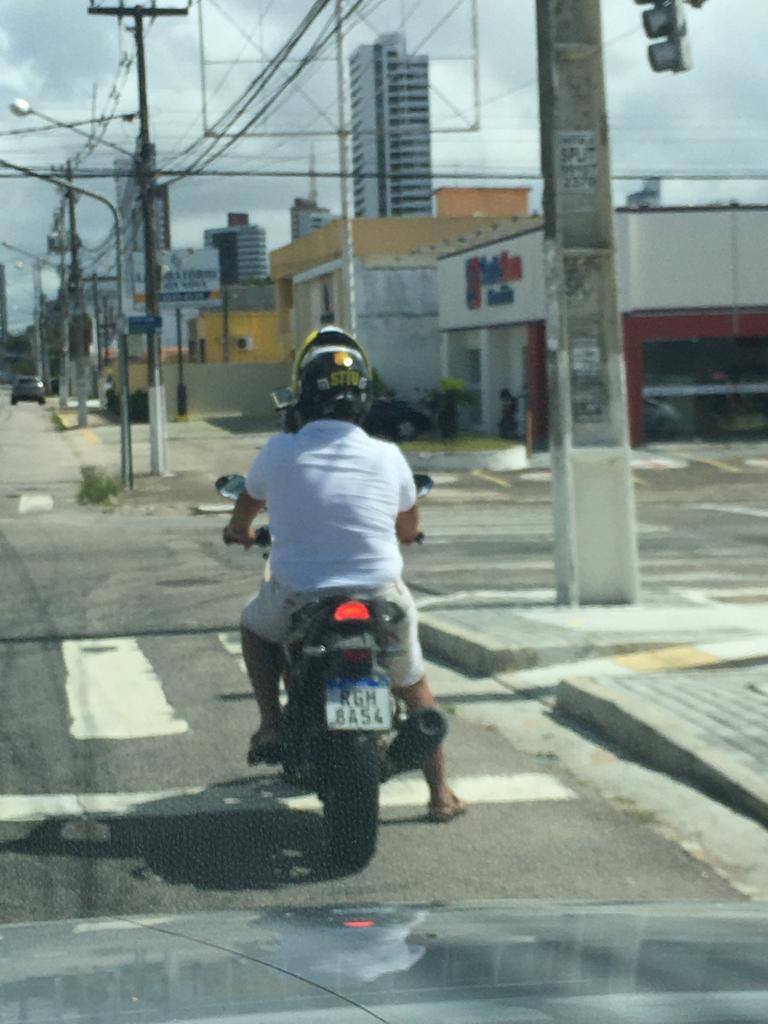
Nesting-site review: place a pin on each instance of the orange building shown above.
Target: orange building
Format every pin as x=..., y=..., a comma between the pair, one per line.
x=481, y=202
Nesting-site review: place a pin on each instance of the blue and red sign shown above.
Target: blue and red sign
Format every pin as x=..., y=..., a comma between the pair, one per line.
x=497, y=273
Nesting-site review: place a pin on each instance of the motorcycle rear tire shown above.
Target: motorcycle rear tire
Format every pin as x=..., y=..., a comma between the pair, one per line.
x=351, y=799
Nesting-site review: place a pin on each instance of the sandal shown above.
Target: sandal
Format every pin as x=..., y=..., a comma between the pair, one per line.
x=268, y=751
x=439, y=814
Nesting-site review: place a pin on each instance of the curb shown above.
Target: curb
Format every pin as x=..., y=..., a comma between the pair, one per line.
x=500, y=459
x=663, y=742
x=479, y=656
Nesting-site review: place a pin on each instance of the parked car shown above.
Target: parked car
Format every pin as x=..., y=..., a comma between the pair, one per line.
x=28, y=389
x=397, y=419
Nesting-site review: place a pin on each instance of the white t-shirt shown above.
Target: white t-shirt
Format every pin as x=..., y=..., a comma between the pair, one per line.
x=332, y=494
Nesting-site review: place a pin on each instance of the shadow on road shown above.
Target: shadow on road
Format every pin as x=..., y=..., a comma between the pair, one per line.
x=229, y=837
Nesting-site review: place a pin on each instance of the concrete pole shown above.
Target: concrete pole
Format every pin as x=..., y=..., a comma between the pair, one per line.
x=593, y=499
x=81, y=382
x=158, y=449
x=347, y=238
x=64, y=364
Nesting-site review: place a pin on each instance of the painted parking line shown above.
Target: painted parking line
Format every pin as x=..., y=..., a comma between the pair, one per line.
x=491, y=478
x=674, y=657
x=114, y=693
x=734, y=510
x=270, y=795
x=35, y=503
x=724, y=467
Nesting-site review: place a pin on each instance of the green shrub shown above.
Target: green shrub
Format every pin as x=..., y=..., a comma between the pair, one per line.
x=97, y=487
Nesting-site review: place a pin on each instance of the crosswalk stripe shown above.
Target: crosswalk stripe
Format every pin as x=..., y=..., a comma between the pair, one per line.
x=35, y=503
x=231, y=644
x=270, y=795
x=114, y=693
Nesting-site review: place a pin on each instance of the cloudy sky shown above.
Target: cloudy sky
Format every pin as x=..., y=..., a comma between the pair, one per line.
x=67, y=63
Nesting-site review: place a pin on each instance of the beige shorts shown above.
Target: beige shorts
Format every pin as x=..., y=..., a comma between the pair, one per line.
x=268, y=615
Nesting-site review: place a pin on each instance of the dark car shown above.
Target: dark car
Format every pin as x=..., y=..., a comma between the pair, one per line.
x=396, y=419
x=28, y=389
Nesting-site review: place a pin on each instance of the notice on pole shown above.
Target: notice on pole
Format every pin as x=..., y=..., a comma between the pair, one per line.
x=588, y=392
x=577, y=161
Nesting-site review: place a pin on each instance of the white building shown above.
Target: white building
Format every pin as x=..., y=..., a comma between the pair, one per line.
x=391, y=150
x=693, y=294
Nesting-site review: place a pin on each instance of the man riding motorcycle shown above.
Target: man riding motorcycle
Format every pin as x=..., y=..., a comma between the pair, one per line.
x=339, y=501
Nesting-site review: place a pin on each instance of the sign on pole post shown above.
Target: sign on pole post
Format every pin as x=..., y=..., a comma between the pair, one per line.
x=189, y=280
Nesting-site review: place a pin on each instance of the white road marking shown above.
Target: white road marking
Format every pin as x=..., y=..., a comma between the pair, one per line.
x=231, y=644
x=109, y=925
x=735, y=510
x=35, y=503
x=114, y=693
x=525, y=787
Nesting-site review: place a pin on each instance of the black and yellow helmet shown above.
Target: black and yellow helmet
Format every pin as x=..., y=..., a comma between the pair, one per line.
x=332, y=377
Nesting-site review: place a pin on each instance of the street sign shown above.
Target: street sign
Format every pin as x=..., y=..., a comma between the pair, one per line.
x=188, y=277
x=141, y=324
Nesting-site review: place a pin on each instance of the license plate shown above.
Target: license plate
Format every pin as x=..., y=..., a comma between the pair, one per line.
x=358, y=704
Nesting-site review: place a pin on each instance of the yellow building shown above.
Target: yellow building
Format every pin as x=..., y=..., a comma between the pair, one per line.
x=252, y=337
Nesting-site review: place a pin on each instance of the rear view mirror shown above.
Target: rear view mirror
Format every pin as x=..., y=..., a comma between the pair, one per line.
x=424, y=484
x=230, y=486
x=282, y=397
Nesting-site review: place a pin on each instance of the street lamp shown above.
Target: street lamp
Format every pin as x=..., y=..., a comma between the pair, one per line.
x=23, y=108
x=126, y=461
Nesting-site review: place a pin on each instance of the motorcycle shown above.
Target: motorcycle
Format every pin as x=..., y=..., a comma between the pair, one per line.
x=343, y=732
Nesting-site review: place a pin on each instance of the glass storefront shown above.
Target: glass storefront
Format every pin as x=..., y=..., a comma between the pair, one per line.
x=706, y=388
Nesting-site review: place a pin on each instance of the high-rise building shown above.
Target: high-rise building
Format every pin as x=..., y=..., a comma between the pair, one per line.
x=649, y=197
x=391, y=148
x=307, y=216
x=242, y=249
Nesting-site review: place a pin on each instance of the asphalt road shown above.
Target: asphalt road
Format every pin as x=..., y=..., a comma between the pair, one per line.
x=100, y=814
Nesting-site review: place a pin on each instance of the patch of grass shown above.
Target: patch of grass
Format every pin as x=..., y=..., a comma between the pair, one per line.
x=465, y=443
x=97, y=488
x=58, y=422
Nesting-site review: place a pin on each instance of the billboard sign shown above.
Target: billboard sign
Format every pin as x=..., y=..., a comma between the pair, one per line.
x=188, y=277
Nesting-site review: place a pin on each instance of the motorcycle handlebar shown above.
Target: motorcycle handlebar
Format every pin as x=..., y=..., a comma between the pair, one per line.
x=263, y=538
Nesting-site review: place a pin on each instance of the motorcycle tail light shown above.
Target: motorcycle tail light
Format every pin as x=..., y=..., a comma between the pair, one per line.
x=352, y=611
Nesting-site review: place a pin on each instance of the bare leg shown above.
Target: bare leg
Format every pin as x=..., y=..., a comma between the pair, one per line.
x=264, y=661
x=443, y=802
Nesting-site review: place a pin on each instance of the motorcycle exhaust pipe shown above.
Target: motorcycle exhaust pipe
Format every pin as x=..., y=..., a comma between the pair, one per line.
x=417, y=739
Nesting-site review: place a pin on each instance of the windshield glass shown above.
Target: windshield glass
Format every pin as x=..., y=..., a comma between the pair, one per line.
x=468, y=608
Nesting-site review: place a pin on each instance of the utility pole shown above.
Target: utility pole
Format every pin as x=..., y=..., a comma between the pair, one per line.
x=76, y=286
x=347, y=237
x=146, y=176
x=593, y=498
x=57, y=243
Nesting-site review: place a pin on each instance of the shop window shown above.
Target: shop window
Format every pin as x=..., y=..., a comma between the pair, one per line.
x=706, y=387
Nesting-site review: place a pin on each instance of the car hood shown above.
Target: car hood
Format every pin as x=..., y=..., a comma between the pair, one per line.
x=517, y=963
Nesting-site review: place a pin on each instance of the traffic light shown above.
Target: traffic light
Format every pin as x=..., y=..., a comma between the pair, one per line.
x=665, y=21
